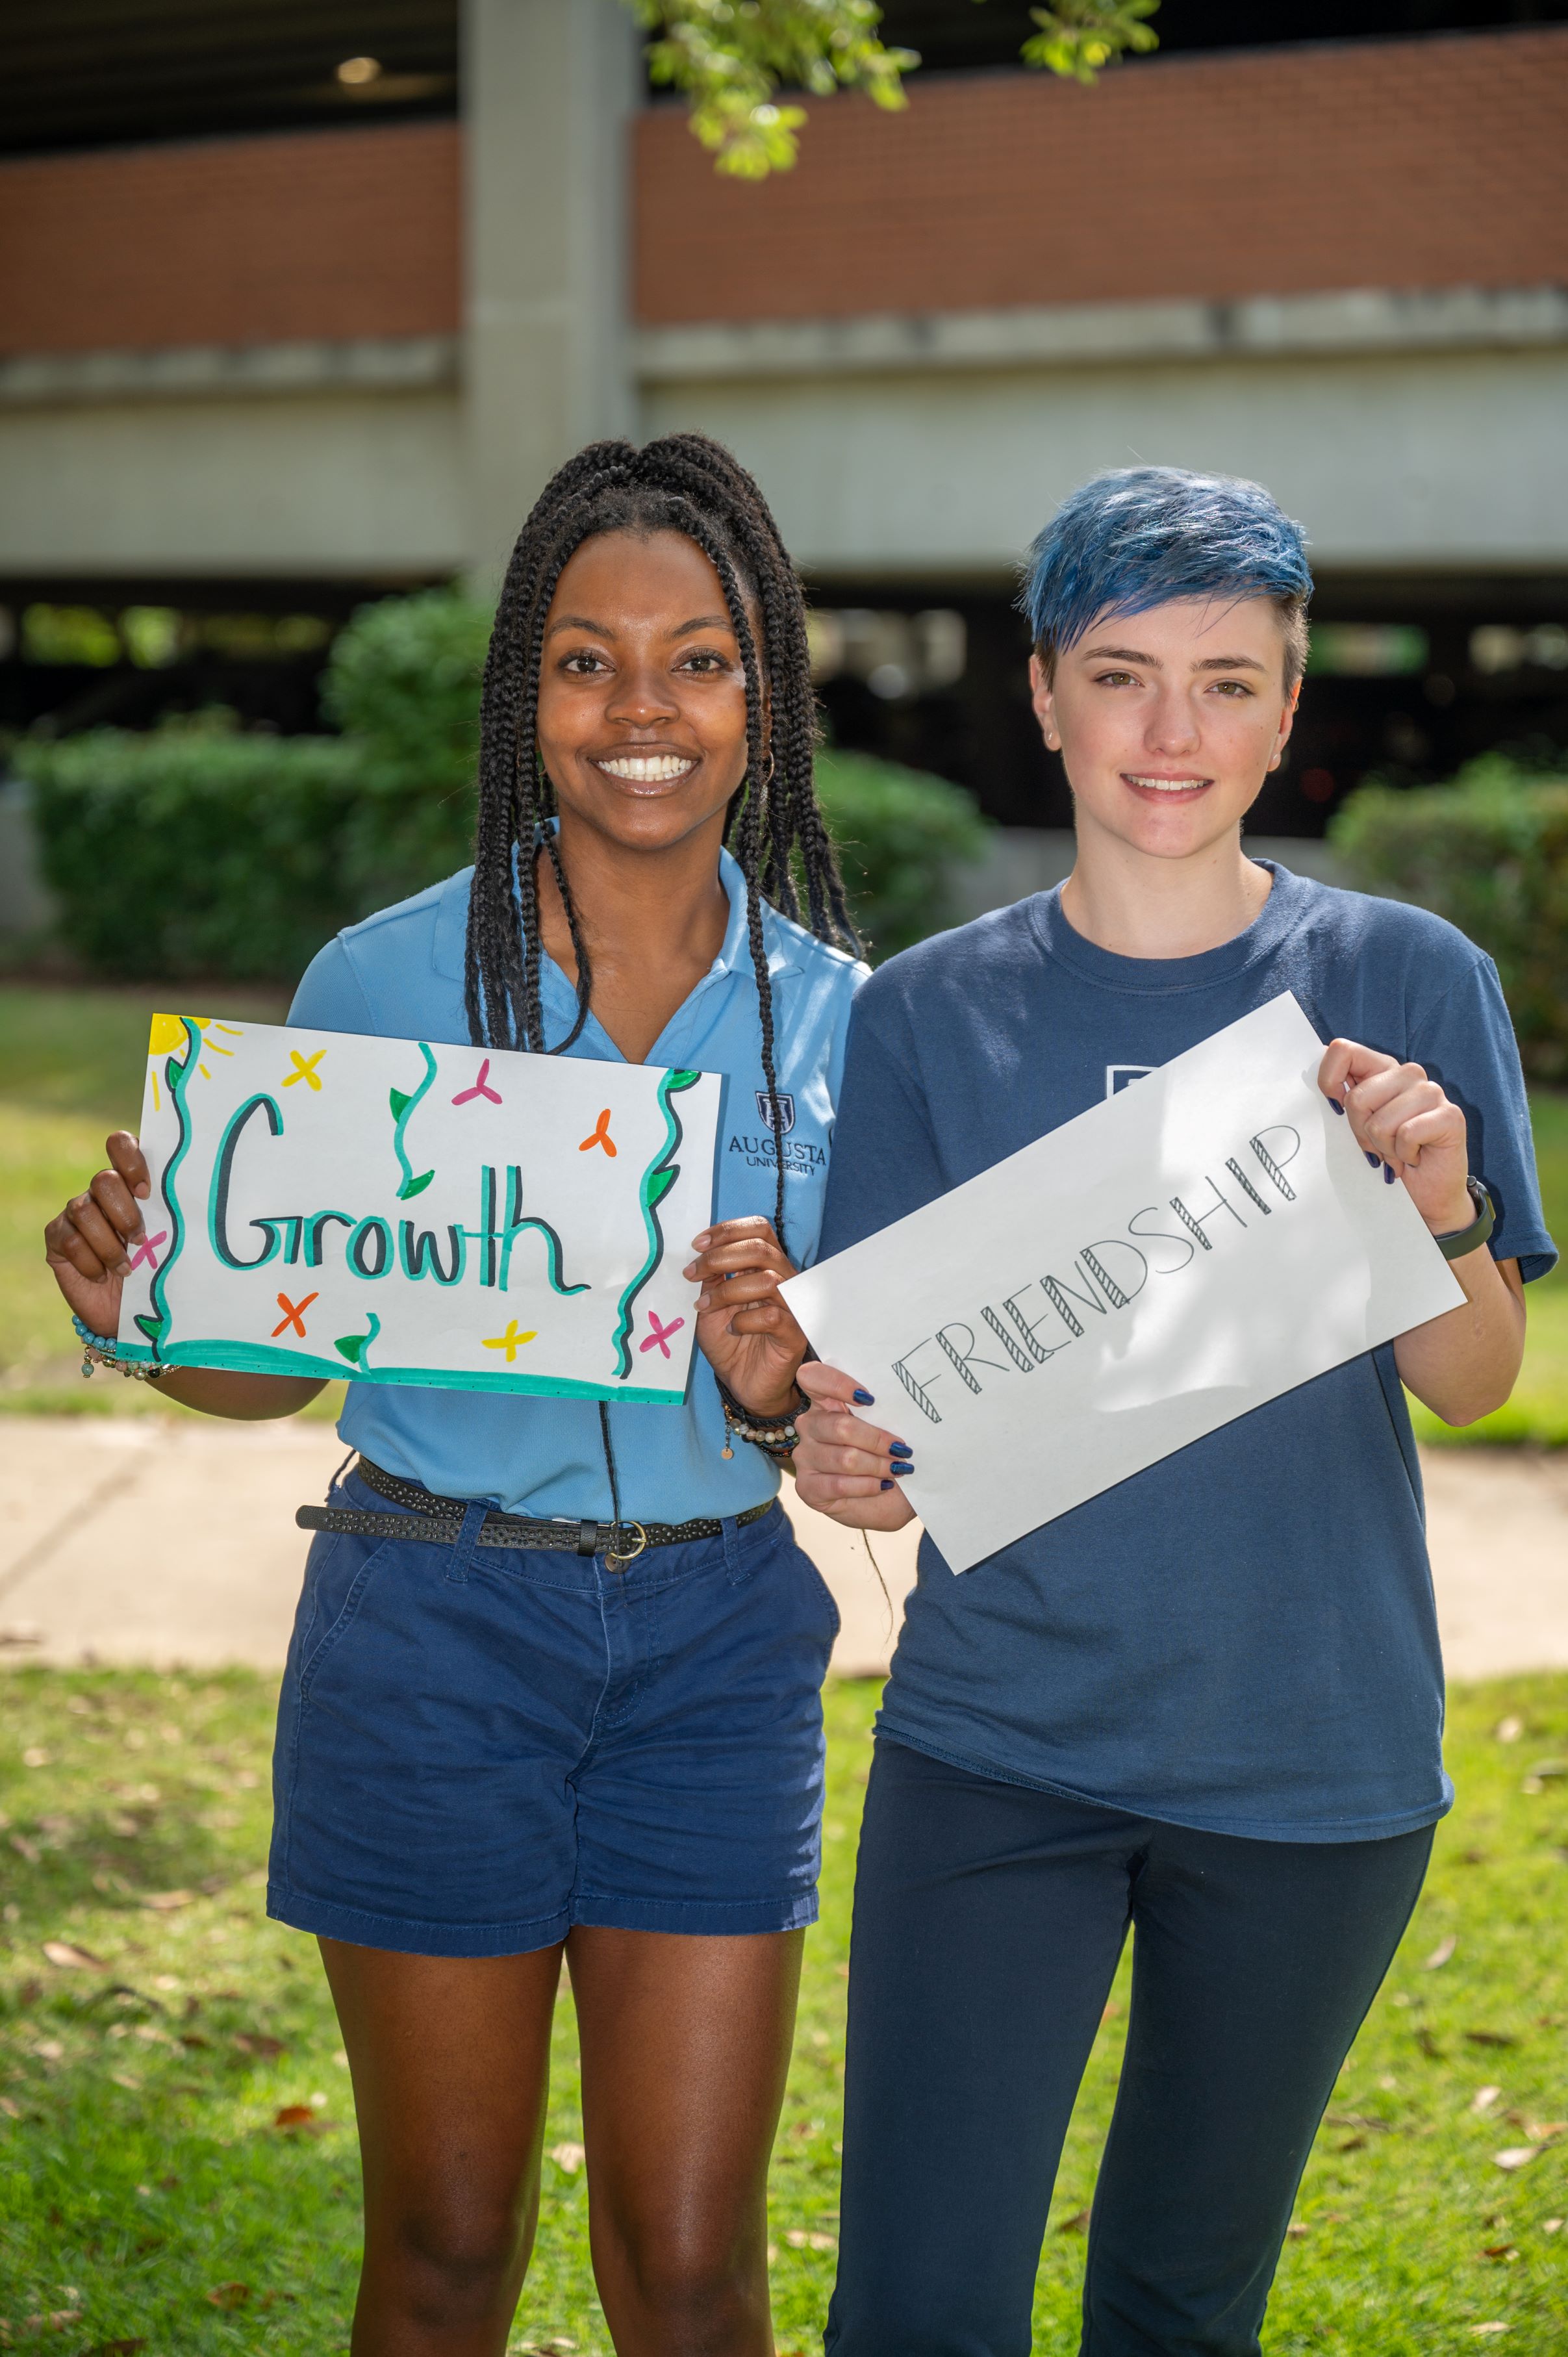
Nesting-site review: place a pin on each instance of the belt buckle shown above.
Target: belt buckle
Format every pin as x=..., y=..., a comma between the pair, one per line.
x=618, y=1561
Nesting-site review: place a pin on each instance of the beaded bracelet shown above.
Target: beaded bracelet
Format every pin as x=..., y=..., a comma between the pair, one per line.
x=103, y=1350
x=777, y=1436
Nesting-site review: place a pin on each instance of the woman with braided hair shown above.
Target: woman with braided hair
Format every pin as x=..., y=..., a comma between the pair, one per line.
x=590, y=1726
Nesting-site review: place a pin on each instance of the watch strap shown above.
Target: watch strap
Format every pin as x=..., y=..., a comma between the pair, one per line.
x=1470, y=1239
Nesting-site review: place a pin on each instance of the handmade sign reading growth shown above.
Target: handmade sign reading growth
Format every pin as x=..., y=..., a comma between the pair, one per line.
x=1205, y=1240
x=403, y=1212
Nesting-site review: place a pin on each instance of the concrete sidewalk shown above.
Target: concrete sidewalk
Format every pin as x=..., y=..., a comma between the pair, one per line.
x=163, y=1542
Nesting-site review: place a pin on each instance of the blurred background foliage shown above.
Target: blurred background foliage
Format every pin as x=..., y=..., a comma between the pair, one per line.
x=198, y=850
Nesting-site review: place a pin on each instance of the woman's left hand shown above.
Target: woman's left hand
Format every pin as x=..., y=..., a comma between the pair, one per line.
x=744, y=1330
x=1404, y=1120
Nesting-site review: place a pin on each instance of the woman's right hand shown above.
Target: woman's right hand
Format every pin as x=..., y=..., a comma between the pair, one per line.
x=89, y=1244
x=845, y=1467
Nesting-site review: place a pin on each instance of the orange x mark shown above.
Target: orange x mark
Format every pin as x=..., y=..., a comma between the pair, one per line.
x=293, y=1314
x=305, y=1068
x=601, y=1136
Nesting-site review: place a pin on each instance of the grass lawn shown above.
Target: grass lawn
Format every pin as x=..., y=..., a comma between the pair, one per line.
x=71, y=1069
x=177, y=2168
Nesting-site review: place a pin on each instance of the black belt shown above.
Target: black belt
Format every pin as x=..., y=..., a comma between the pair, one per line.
x=442, y=1520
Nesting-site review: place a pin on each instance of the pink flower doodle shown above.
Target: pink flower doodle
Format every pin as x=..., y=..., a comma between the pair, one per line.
x=660, y=1332
x=482, y=1087
x=147, y=1250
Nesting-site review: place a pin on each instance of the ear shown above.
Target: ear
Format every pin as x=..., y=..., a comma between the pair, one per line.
x=1043, y=697
x=1287, y=722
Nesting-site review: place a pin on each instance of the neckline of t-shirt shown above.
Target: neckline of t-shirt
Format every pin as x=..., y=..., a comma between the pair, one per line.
x=1163, y=976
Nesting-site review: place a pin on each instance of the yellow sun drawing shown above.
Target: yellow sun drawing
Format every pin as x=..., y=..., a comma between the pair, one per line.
x=167, y=1035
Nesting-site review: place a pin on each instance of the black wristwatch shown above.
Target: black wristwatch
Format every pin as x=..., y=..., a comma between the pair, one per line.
x=1470, y=1239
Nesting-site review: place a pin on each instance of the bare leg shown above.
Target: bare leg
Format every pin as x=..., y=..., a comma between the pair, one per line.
x=685, y=2046
x=451, y=2063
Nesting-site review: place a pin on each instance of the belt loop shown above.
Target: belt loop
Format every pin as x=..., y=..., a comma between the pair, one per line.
x=466, y=1540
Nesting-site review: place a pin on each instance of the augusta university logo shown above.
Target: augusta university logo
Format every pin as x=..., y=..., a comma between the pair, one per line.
x=786, y=1111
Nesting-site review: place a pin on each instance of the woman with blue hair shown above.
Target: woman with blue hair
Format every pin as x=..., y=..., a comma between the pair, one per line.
x=1209, y=1703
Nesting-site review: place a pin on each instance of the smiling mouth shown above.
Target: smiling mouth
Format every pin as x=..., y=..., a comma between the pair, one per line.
x=1147, y=785
x=647, y=768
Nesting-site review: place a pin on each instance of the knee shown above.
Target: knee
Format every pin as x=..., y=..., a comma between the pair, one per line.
x=458, y=2264
x=695, y=2300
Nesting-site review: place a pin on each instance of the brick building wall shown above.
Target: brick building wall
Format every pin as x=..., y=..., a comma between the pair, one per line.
x=280, y=239
x=1439, y=163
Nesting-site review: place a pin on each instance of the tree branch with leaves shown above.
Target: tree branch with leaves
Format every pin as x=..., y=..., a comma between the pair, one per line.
x=731, y=59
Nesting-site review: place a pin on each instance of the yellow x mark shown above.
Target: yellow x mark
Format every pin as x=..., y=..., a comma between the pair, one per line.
x=512, y=1341
x=305, y=1068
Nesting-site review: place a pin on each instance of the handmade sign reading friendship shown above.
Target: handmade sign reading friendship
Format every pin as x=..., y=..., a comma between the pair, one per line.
x=1202, y=1241
x=403, y=1212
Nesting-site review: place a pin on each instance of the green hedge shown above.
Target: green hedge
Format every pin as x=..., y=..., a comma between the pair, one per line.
x=1490, y=854
x=197, y=849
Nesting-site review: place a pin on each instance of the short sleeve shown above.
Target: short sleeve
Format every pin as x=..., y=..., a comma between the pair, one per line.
x=884, y=1160
x=1467, y=1043
x=330, y=997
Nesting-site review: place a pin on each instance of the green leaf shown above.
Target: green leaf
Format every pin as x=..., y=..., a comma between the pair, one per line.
x=350, y=1346
x=151, y=1327
x=411, y=1187
x=399, y=1101
x=660, y=1184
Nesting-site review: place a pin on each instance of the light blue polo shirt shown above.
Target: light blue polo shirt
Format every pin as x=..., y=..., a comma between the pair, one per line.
x=400, y=975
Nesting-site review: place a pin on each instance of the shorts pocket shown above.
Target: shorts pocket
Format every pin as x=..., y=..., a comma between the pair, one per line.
x=327, y=1628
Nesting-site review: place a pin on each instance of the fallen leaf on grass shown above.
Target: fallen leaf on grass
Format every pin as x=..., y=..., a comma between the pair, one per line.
x=164, y=1902
x=67, y=1953
x=1295, y=2230
x=799, y=2240
x=1428, y=2045
x=25, y=1848
x=569, y=2157
x=1500, y=2251
x=123, y=2079
x=59, y=2320
x=1440, y=1954
x=1077, y=2225
x=1551, y=2225
x=49, y=2050
x=12, y=2111
x=1484, y=2098
x=1479, y=2330
x=114, y=2348
x=252, y=2041
x=1509, y=1729
x=1491, y=2037
x=229, y=2295
x=297, y=2117
x=1516, y=2155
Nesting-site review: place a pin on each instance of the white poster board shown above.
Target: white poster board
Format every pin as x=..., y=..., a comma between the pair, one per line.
x=402, y=1212
x=1202, y=1241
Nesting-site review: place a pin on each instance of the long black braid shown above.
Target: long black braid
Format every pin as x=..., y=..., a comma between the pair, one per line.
x=688, y=484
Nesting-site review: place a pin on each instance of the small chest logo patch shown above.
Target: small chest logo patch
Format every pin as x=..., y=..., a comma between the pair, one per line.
x=1120, y=1076
x=786, y=1111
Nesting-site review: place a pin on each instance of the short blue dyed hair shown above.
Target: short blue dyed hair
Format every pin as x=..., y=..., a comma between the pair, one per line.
x=1139, y=536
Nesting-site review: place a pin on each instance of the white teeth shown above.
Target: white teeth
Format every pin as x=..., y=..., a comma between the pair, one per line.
x=647, y=768
x=1167, y=785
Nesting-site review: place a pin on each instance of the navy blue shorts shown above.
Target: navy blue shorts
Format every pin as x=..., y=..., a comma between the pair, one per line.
x=479, y=1747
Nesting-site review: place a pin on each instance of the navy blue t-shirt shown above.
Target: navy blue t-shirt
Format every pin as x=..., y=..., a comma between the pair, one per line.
x=1241, y=1637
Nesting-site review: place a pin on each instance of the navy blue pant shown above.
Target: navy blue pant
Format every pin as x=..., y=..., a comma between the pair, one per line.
x=988, y=1922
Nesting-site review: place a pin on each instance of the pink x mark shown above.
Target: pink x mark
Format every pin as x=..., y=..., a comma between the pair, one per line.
x=146, y=1250
x=480, y=1088
x=660, y=1332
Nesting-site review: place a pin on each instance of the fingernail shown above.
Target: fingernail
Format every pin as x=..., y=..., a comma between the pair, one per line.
x=1375, y=1159
x=121, y=1268
x=899, y=1449
x=690, y=1269
x=864, y=1399
x=903, y=1468
x=887, y=1485
x=1337, y=1106
x=698, y=1242
x=1388, y=1175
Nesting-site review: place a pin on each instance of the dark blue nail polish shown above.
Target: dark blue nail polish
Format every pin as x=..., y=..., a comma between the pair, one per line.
x=1388, y=1175
x=1375, y=1159
x=1337, y=1106
x=887, y=1485
x=902, y=1467
x=899, y=1449
x=864, y=1399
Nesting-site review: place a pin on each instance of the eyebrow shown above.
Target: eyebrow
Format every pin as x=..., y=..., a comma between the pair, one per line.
x=603, y=630
x=1153, y=662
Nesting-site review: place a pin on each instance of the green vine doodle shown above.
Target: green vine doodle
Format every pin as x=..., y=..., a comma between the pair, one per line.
x=656, y=1180
x=356, y=1348
x=177, y=1078
x=404, y=1108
